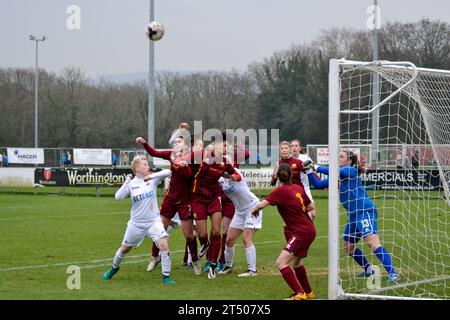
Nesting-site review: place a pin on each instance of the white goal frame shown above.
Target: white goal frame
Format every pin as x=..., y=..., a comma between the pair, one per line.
x=335, y=290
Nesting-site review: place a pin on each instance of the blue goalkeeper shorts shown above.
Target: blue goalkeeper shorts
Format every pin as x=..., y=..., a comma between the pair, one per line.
x=361, y=226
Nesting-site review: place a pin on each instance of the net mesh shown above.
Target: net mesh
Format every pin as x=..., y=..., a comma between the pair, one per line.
x=407, y=175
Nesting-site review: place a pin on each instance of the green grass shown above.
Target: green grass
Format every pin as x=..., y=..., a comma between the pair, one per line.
x=43, y=234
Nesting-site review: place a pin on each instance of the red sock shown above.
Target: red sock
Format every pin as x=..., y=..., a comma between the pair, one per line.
x=193, y=249
x=215, y=245
x=300, y=272
x=155, y=250
x=222, y=248
x=186, y=253
x=290, y=278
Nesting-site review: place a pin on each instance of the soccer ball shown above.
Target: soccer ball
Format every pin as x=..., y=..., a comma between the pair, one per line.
x=154, y=31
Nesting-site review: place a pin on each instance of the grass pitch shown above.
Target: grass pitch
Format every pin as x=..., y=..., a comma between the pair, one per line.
x=42, y=235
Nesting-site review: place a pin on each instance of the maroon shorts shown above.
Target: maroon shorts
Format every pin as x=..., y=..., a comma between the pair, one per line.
x=202, y=207
x=299, y=244
x=227, y=207
x=170, y=207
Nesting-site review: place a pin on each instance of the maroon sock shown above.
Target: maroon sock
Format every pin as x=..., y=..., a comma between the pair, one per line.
x=203, y=240
x=300, y=272
x=193, y=249
x=222, y=248
x=186, y=253
x=215, y=245
x=155, y=250
x=208, y=253
x=290, y=278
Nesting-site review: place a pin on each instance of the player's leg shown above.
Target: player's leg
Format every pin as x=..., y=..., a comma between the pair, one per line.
x=284, y=260
x=373, y=240
x=159, y=235
x=225, y=227
x=216, y=239
x=117, y=260
x=191, y=243
x=228, y=210
x=351, y=238
x=168, y=211
x=250, y=225
x=250, y=253
x=302, y=277
x=199, y=210
x=166, y=260
x=133, y=237
x=229, y=252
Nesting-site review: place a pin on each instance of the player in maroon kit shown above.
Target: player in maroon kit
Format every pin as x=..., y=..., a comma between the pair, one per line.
x=206, y=192
x=295, y=164
x=177, y=197
x=238, y=153
x=293, y=205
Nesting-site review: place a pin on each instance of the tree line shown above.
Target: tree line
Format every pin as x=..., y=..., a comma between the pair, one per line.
x=288, y=91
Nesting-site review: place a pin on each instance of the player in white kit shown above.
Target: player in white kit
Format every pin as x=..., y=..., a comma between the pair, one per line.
x=145, y=220
x=243, y=222
x=296, y=149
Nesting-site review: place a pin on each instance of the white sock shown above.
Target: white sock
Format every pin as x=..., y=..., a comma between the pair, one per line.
x=118, y=259
x=166, y=263
x=189, y=256
x=169, y=229
x=250, y=252
x=229, y=255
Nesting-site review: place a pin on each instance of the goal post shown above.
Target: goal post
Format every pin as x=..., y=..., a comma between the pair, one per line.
x=408, y=180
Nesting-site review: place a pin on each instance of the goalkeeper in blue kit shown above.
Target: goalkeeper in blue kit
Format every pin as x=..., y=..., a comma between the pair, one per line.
x=362, y=214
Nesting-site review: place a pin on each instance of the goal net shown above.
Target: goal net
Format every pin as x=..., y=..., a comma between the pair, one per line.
x=397, y=118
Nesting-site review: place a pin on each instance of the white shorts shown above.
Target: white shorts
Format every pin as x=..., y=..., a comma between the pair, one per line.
x=309, y=194
x=134, y=235
x=245, y=220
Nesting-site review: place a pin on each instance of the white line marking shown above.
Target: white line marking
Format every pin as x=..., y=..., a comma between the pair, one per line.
x=65, y=216
x=409, y=284
x=106, y=259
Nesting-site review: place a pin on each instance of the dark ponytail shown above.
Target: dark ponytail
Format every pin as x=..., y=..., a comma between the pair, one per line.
x=284, y=173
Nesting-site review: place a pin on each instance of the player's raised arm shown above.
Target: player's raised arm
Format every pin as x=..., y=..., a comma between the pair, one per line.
x=158, y=175
x=124, y=190
x=152, y=151
x=178, y=132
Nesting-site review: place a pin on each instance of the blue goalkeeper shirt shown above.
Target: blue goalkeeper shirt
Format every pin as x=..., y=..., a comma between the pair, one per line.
x=352, y=194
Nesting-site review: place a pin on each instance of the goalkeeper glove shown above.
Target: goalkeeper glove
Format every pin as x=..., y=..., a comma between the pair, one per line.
x=310, y=166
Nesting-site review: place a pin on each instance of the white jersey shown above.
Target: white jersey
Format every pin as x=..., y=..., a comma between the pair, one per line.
x=144, y=205
x=304, y=176
x=239, y=193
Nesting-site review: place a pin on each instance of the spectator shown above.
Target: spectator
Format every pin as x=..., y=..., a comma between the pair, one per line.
x=415, y=159
x=69, y=158
x=1, y=160
x=114, y=160
x=258, y=161
x=5, y=160
x=65, y=160
x=125, y=159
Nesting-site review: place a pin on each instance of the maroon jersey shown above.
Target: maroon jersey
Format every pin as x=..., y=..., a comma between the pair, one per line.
x=296, y=167
x=241, y=152
x=292, y=201
x=206, y=179
x=181, y=178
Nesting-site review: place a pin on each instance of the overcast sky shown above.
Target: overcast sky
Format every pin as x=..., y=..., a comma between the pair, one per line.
x=200, y=34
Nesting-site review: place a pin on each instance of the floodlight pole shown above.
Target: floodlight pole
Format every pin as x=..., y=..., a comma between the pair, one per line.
x=151, y=84
x=36, y=95
x=375, y=154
